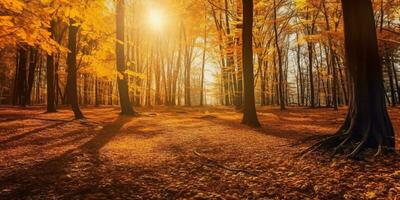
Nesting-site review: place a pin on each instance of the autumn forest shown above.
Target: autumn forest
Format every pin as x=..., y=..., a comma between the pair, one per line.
x=199, y=99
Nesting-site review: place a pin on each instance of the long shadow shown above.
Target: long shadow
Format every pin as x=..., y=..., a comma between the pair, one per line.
x=265, y=129
x=51, y=177
x=23, y=135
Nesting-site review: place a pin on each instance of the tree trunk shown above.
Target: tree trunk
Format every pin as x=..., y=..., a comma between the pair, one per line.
x=51, y=91
x=396, y=81
x=367, y=123
x=300, y=73
x=249, y=114
x=72, y=70
x=279, y=54
x=343, y=81
x=21, y=77
x=126, y=106
x=388, y=64
x=31, y=73
x=203, y=61
x=51, y=85
x=310, y=73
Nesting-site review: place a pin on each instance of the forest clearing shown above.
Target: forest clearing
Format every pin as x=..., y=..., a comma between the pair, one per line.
x=199, y=99
x=153, y=156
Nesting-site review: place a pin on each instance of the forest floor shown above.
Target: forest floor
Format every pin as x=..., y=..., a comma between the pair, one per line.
x=182, y=153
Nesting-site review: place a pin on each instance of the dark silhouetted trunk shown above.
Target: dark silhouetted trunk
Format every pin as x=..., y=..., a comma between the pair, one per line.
x=51, y=90
x=20, y=86
x=367, y=124
x=72, y=70
x=126, y=106
x=249, y=113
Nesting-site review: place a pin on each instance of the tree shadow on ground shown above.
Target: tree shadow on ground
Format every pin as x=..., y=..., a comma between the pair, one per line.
x=72, y=173
x=23, y=135
x=279, y=130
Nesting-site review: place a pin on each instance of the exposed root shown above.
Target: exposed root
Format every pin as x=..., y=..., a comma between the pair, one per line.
x=362, y=144
x=329, y=140
x=351, y=141
x=217, y=164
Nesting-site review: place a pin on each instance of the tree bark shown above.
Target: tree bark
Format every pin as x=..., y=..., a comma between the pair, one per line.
x=388, y=64
x=300, y=73
x=203, y=61
x=396, y=81
x=72, y=70
x=249, y=114
x=126, y=106
x=31, y=73
x=21, y=76
x=51, y=90
x=279, y=54
x=367, y=123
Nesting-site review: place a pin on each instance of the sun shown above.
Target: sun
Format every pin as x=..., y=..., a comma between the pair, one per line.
x=156, y=19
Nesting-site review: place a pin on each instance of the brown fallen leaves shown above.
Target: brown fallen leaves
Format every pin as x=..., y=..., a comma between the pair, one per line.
x=151, y=157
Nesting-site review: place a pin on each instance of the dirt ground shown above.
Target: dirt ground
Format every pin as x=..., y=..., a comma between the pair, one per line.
x=182, y=153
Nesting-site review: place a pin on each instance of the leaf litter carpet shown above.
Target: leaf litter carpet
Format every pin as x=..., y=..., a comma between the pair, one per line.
x=182, y=153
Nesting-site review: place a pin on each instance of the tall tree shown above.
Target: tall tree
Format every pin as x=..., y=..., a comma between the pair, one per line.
x=203, y=57
x=72, y=70
x=50, y=73
x=20, y=76
x=249, y=113
x=279, y=56
x=126, y=106
x=367, y=123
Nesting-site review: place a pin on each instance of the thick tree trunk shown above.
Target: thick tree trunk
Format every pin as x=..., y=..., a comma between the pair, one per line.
x=126, y=106
x=72, y=70
x=249, y=114
x=367, y=123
